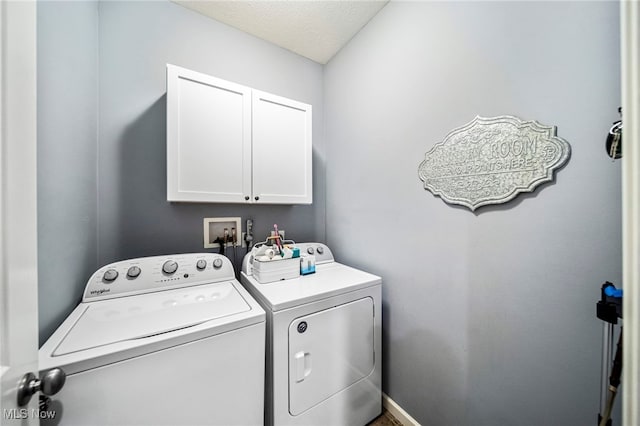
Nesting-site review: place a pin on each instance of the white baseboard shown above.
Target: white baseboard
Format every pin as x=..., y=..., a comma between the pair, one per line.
x=397, y=411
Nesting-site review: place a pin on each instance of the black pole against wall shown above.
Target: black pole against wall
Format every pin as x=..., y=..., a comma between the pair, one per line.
x=609, y=309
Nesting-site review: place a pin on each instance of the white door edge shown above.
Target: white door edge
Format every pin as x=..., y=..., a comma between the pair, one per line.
x=630, y=46
x=18, y=208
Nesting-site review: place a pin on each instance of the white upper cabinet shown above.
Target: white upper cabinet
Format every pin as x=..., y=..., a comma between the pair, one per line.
x=281, y=150
x=208, y=138
x=228, y=143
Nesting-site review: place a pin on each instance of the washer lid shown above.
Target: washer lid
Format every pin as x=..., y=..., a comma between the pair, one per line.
x=136, y=317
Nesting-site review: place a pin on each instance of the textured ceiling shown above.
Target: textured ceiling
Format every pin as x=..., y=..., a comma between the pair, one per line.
x=316, y=29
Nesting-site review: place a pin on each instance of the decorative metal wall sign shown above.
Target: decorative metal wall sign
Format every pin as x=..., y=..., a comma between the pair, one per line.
x=492, y=160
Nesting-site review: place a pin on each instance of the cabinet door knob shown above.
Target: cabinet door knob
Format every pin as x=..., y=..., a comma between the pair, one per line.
x=256, y=198
x=246, y=197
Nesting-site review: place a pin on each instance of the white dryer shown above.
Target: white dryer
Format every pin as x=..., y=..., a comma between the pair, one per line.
x=323, y=343
x=164, y=340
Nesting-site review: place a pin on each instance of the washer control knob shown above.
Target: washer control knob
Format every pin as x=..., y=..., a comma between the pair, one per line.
x=310, y=250
x=110, y=275
x=217, y=263
x=201, y=264
x=320, y=250
x=133, y=272
x=169, y=267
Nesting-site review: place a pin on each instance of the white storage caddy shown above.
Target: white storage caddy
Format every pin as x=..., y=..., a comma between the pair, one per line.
x=275, y=269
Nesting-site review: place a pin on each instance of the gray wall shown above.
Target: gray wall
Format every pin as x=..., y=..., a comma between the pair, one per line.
x=67, y=144
x=137, y=39
x=488, y=318
x=102, y=158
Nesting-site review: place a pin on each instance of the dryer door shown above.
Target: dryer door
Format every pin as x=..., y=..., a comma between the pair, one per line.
x=329, y=351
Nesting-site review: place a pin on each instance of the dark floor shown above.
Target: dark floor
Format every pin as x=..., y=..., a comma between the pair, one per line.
x=385, y=419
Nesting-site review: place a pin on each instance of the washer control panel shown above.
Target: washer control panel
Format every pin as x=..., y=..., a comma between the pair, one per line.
x=157, y=273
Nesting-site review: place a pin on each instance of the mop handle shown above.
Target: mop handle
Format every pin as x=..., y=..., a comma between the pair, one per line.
x=614, y=381
x=616, y=371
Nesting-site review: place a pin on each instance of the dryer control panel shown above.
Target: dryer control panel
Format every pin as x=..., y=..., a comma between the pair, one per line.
x=320, y=251
x=157, y=273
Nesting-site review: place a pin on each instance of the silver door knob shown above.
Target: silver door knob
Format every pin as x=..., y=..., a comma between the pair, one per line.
x=50, y=384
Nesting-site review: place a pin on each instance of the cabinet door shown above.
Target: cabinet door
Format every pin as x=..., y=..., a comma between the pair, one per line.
x=282, y=150
x=208, y=138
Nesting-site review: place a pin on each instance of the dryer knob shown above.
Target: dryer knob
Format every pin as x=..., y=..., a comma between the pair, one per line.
x=133, y=272
x=110, y=275
x=320, y=250
x=217, y=263
x=201, y=264
x=310, y=250
x=169, y=267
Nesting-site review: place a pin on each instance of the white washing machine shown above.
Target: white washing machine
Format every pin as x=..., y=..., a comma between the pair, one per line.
x=164, y=340
x=323, y=343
